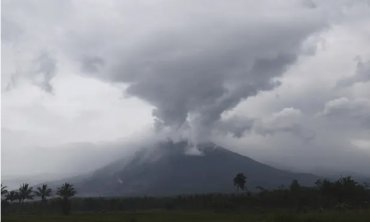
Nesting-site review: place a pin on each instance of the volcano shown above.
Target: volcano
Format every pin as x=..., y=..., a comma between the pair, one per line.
x=174, y=168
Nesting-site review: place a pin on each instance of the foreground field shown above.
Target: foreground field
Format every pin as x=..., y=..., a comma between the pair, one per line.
x=164, y=216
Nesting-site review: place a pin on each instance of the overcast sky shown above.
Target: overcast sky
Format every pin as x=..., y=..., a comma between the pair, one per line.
x=284, y=82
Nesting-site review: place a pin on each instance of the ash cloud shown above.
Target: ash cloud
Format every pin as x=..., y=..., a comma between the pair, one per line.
x=193, y=73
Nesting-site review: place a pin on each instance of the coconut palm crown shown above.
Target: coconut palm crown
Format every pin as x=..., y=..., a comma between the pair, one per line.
x=66, y=191
x=43, y=192
x=25, y=192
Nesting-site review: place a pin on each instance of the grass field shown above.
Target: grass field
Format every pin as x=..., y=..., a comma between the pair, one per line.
x=164, y=216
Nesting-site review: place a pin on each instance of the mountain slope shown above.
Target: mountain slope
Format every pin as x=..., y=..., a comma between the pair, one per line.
x=166, y=170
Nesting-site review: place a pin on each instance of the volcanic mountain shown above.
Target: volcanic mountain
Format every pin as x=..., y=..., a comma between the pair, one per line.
x=174, y=168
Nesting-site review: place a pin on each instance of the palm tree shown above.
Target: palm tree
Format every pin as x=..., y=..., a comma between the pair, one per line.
x=18, y=197
x=12, y=196
x=3, y=190
x=66, y=191
x=295, y=186
x=239, y=181
x=43, y=192
x=25, y=192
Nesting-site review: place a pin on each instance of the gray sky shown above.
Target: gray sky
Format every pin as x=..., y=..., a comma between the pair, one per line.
x=284, y=82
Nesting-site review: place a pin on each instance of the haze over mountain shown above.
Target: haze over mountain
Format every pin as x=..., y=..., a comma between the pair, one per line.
x=178, y=168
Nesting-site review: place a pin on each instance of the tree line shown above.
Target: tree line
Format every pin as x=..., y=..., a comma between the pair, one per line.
x=26, y=192
x=344, y=193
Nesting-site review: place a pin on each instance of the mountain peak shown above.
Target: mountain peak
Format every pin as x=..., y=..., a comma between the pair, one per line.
x=169, y=169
